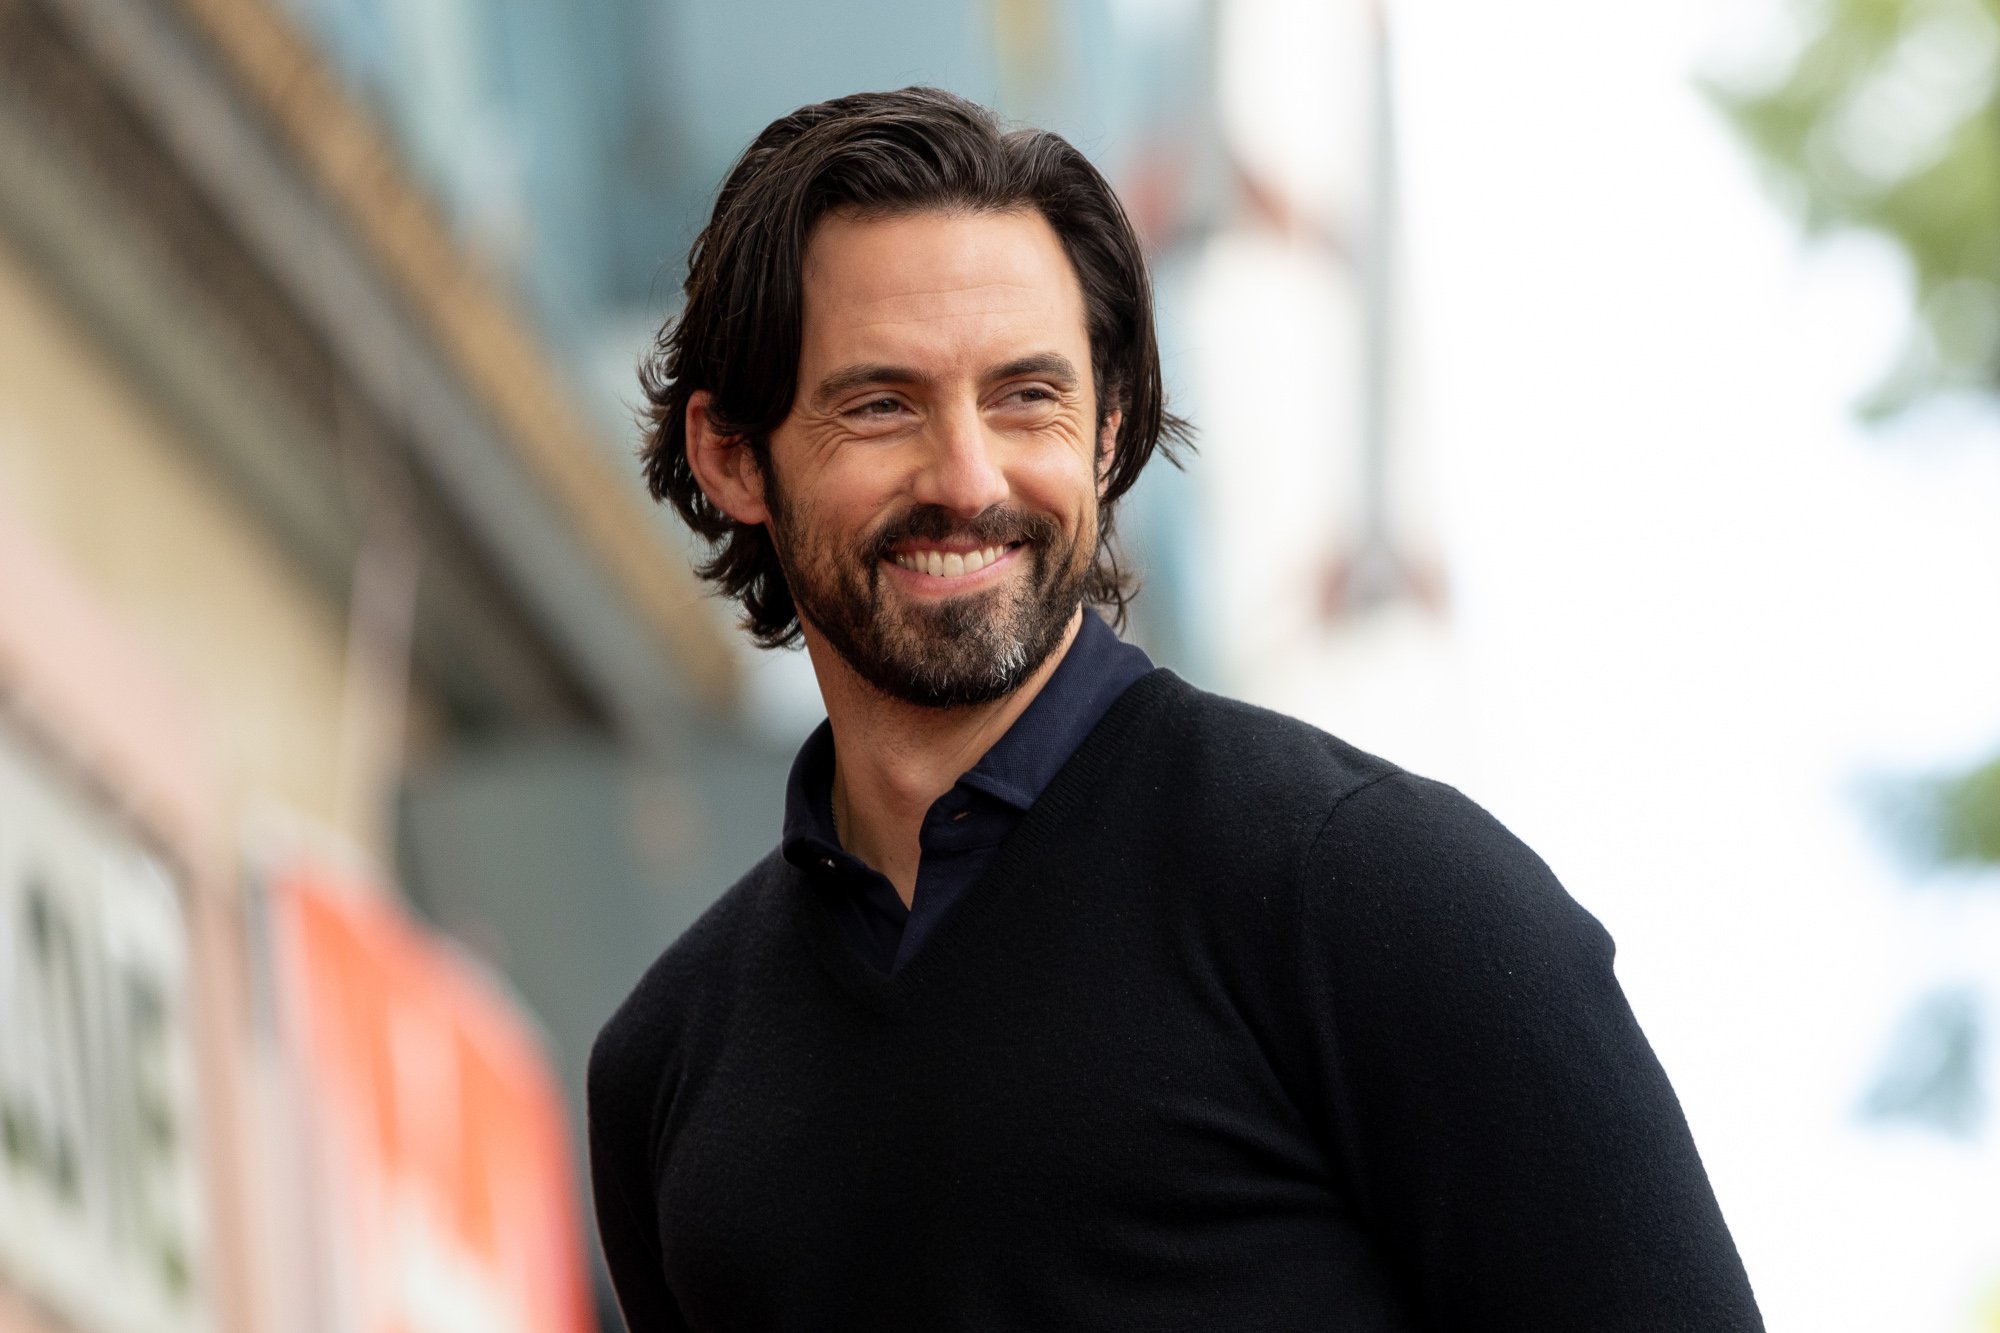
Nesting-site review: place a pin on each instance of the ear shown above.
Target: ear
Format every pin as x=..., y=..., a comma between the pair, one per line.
x=724, y=465
x=1107, y=446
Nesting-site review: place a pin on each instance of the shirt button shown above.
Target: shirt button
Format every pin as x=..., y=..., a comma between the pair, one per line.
x=826, y=863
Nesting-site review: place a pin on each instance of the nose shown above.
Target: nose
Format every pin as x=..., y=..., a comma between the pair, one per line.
x=961, y=471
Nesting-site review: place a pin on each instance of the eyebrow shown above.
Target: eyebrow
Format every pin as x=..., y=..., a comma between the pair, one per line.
x=849, y=378
x=1049, y=365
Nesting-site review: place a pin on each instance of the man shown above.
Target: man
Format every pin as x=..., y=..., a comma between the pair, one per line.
x=1074, y=997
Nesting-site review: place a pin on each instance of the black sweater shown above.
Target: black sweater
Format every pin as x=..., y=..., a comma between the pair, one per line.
x=1243, y=1029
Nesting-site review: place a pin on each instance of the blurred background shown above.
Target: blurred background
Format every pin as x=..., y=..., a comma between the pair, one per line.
x=1597, y=412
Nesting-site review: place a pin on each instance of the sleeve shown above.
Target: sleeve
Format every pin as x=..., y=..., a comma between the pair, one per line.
x=1506, y=1130
x=619, y=1104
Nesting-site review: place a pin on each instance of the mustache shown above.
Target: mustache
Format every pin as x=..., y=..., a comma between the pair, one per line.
x=1000, y=525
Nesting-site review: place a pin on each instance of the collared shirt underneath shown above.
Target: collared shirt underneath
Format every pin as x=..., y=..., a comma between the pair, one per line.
x=965, y=826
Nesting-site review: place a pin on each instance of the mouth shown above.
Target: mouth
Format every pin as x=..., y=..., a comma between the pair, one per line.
x=937, y=563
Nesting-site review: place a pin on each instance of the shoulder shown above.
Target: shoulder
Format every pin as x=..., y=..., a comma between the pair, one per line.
x=1474, y=1058
x=1258, y=747
x=691, y=979
x=1372, y=850
x=1407, y=851
x=1237, y=756
x=1421, y=911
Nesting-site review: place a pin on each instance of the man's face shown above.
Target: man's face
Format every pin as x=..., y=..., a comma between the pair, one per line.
x=933, y=494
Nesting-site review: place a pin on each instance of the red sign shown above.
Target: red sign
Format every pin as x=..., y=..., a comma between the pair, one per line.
x=441, y=1143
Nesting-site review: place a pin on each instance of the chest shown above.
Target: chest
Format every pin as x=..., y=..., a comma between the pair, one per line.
x=1092, y=1112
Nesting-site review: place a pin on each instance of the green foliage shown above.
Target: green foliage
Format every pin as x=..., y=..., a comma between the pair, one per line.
x=1887, y=119
x=1963, y=822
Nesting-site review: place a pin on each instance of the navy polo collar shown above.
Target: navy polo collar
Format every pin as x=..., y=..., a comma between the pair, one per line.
x=1098, y=667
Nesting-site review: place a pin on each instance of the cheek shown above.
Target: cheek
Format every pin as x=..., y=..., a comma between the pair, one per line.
x=1063, y=484
x=846, y=500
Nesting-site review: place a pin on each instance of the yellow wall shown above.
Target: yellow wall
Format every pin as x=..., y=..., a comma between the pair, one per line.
x=100, y=476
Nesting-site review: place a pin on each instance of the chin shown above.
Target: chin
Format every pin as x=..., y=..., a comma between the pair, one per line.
x=950, y=676
x=956, y=655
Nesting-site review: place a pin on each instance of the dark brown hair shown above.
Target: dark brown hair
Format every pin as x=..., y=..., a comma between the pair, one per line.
x=738, y=335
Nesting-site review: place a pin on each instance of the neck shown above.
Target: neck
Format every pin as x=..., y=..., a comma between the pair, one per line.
x=892, y=758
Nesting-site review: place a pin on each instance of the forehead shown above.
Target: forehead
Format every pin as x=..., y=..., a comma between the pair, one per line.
x=938, y=286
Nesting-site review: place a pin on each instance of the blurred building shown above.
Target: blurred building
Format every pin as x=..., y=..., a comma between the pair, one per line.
x=302, y=539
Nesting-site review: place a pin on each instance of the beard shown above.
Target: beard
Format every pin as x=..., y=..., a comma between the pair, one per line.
x=970, y=649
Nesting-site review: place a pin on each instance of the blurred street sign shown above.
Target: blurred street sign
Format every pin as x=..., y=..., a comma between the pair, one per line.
x=439, y=1160
x=101, y=1211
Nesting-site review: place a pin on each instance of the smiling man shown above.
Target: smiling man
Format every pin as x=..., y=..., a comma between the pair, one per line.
x=1073, y=996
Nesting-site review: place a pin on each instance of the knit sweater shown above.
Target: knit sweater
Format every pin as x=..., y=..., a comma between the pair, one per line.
x=1242, y=1029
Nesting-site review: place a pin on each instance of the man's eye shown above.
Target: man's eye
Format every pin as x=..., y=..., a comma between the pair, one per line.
x=1032, y=394
x=880, y=407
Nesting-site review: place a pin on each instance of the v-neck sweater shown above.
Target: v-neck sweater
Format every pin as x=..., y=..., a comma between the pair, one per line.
x=1243, y=1028
x=963, y=828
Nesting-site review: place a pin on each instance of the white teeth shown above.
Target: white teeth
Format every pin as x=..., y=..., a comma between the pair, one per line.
x=939, y=564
